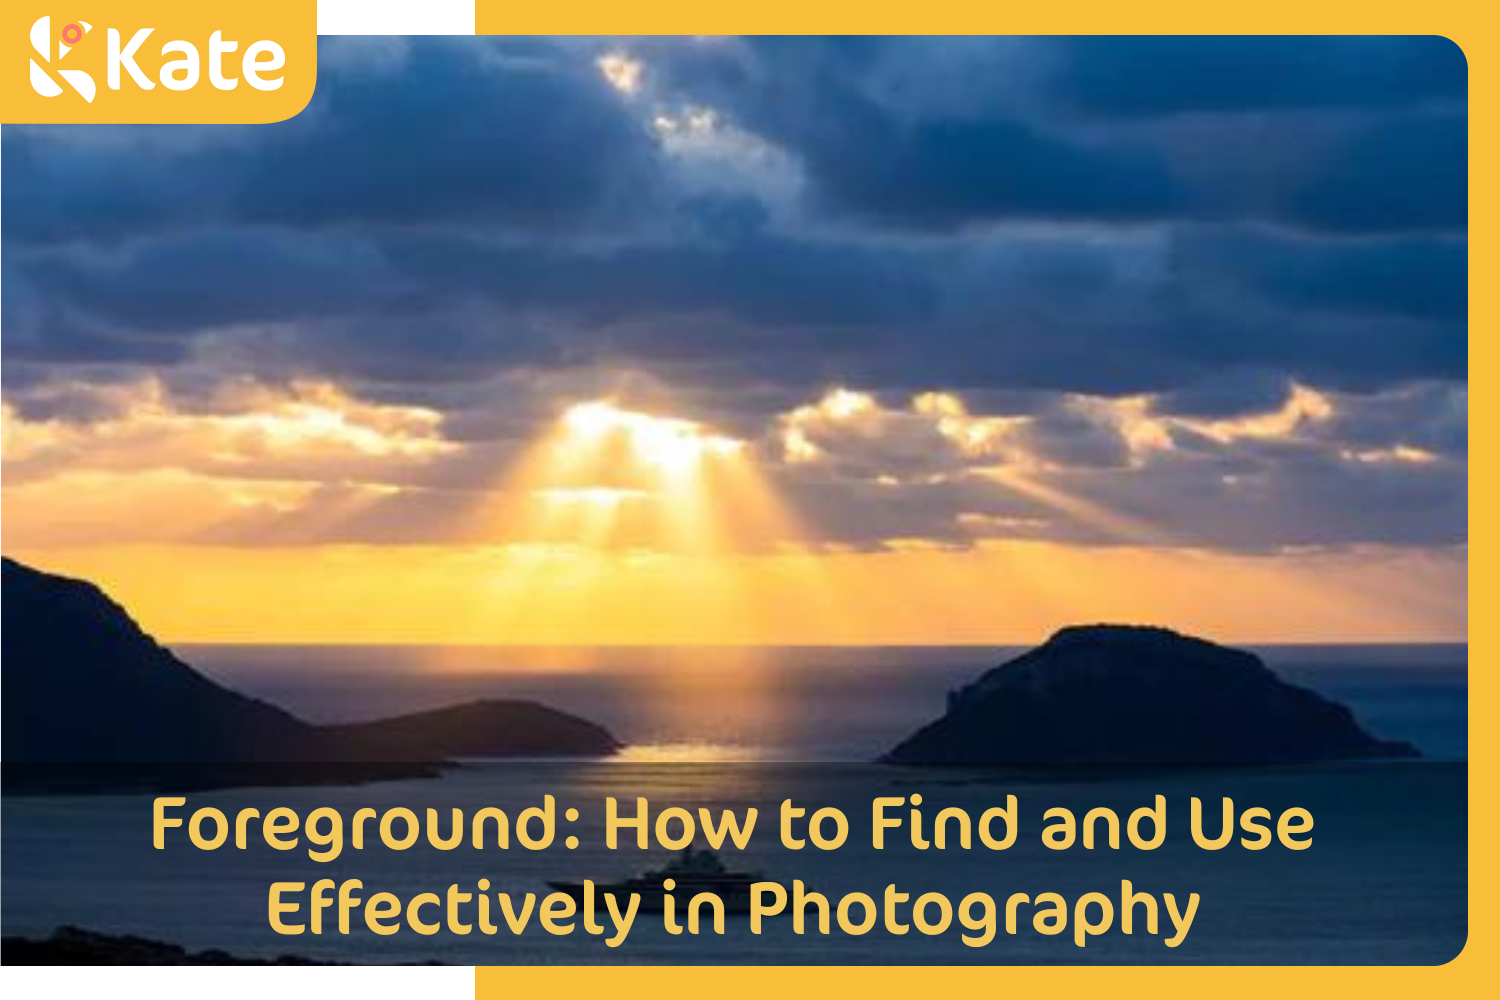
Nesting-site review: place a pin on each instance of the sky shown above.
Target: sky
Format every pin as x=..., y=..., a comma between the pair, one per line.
x=759, y=341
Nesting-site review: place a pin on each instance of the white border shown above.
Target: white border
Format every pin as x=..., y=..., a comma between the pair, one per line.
x=395, y=17
x=242, y=982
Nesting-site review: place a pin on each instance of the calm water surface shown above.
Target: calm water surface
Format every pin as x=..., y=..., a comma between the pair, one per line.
x=781, y=703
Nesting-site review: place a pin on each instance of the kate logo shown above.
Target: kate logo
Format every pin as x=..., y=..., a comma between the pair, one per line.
x=172, y=61
x=41, y=40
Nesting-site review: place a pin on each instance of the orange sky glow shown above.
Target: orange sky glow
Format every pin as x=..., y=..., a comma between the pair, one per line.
x=619, y=526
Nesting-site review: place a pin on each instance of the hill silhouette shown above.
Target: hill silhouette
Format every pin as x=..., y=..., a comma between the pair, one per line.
x=71, y=945
x=476, y=729
x=1111, y=694
x=83, y=684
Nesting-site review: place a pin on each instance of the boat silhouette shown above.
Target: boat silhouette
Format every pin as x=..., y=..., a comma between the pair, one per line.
x=690, y=873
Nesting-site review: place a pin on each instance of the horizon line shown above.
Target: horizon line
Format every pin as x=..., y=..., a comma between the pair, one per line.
x=783, y=645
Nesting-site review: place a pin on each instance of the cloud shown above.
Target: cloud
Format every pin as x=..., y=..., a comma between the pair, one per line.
x=1141, y=75
x=315, y=432
x=1424, y=279
x=1397, y=174
x=724, y=312
x=452, y=133
x=1353, y=134
x=1062, y=281
x=1094, y=470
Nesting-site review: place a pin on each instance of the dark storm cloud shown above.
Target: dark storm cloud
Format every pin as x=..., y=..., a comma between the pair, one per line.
x=1401, y=174
x=460, y=134
x=1423, y=279
x=1177, y=74
x=487, y=228
x=1230, y=393
x=866, y=158
x=453, y=133
x=763, y=279
x=1098, y=316
x=216, y=277
x=1066, y=138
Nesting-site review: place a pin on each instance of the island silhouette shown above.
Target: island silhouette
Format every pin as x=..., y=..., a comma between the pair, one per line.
x=1134, y=694
x=91, y=700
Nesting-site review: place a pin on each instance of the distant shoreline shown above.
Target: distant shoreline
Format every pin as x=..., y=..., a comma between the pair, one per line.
x=70, y=945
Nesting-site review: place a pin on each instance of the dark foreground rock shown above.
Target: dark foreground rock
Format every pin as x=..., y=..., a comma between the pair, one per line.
x=1120, y=694
x=491, y=728
x=92, y=702
x=76, y=946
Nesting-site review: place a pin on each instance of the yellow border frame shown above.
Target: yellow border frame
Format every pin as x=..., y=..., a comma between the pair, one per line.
x=1475, y=972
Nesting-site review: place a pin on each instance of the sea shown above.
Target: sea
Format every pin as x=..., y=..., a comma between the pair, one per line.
x=808, y=703
x=1385, y=881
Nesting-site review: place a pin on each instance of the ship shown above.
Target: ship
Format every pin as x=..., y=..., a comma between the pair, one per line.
x=692, y=872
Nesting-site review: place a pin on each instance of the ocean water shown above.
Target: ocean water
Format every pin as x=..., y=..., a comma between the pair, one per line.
x=780, y=703
x=1384, y=883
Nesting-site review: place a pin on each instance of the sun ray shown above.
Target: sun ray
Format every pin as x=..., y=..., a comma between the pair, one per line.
x=614, y=510
x=1112, y=524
